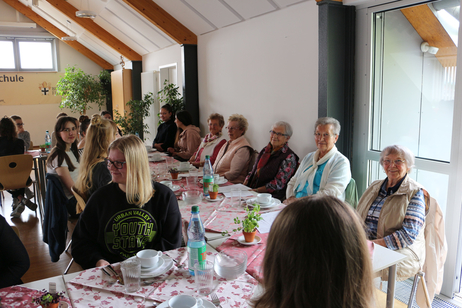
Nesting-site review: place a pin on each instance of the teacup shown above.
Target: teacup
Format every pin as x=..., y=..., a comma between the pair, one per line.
x=263, y=198
x=184, y=165
x=149, y=257
x=216, y=178
x=185, y=301
x=156, y=156
x=167, y=183
x=148, y=148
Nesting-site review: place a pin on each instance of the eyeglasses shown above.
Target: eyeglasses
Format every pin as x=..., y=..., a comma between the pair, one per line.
x=232, y=128
x=272, y=132
x=319, y=136
x=397, y=162
x=19, y=124
x=116, y=164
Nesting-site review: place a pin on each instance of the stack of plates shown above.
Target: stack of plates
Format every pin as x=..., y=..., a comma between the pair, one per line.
x=273, y=202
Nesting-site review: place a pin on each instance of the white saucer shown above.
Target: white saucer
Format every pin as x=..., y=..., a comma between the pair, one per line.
x=219, y=198
x=222, y=181
x=176, y=188
x=242, y=241
x=273, y=202
x=191, y=167
x=205, y=304
x=154, y=267
x=165, y=267
x=156, y=160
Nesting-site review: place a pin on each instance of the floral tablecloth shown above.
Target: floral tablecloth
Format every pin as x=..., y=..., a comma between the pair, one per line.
x=90, y=289
x=17, y=296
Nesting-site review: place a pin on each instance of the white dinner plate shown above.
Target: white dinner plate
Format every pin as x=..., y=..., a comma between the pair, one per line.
x=151, y=159
x=191, y=167
x=152, y=268
x=273, y=202
x=205, y=303
x=242, y=241
x=219, y=198
x=222, y=181
x=166, y=266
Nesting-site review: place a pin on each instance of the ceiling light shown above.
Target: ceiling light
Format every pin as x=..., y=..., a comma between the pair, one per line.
x=85, y=14
x=425, y=47
x=68, y=37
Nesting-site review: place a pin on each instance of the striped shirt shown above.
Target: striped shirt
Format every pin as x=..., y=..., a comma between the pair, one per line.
x=412, y=223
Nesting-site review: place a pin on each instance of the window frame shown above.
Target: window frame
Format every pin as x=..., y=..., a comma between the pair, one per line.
x=16, y=40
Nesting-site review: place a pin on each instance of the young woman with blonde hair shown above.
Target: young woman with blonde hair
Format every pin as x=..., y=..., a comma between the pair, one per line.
x=128, y=215
x=93, y=172
x=317, y=256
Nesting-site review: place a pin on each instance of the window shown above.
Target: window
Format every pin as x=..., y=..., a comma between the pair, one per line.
x=28, y=54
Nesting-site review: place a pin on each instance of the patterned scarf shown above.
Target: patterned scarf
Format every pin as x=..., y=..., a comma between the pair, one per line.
x=208, y=140
x=266, y=156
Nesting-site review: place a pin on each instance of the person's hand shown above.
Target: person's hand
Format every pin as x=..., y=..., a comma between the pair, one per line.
x=197, y=165
x=171, y=150
x=289, y=200
x=102, y=262
x=158, y=146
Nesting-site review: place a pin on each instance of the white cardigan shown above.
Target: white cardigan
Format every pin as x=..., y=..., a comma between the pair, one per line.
x=334, y=180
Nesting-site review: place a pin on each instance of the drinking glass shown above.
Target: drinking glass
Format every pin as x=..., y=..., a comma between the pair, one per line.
x=131, y=271
x=203, y=274
x=236, y=198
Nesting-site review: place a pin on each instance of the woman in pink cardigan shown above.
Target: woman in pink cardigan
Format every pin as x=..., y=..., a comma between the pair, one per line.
x=233, y=159
x=187, y=139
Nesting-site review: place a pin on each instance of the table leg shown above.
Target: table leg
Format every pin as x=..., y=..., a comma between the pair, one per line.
x=38, y=191
x=391, y=286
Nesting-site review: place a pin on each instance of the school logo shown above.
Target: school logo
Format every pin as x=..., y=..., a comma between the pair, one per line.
x=47, y=89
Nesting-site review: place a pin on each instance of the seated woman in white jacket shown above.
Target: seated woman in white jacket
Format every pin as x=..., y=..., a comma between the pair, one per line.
x=325, y=171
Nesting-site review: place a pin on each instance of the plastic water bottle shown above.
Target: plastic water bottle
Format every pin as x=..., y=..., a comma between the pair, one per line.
x=207, y=179
x=196, y=240
x=48, y=142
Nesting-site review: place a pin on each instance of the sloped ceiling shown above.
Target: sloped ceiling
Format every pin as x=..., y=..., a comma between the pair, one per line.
x=130, y=28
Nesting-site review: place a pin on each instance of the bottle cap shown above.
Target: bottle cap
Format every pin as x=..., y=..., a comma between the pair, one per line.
x=207, y=156
x=195, y=209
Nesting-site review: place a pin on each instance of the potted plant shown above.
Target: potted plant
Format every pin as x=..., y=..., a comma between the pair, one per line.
x=79, y=90
x=249, y=224
x=174, y=173
x=131, y=122
x=43, y=148
x=214, y=192
x=46, y=299
x=170, y=95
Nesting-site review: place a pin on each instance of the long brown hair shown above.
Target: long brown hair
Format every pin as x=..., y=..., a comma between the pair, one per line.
x=60, y=147
x=317, y=256
x=8, y=128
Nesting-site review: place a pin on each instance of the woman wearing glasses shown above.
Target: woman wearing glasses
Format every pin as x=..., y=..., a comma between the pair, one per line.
x=130, y=214
x=234, y=157
x=275, y=164
x=64, y=157
x=325, y=171
x=394, y=210
x=22, y=134
x=93, y=172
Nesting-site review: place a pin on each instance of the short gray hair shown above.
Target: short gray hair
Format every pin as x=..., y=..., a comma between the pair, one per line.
x=241, y=120
x=287, y=127
x=326, y=121
x=402, y=151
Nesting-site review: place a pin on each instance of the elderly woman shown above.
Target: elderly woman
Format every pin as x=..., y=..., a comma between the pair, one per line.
x=331, y=266
x=275, y=164
x=234, y=157
x=187, y=138
x=394, y=210
x=325, y=171
x=212, y=142
x=130, y=214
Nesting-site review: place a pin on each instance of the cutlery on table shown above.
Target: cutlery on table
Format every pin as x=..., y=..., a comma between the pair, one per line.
x=215, y=299
x=118, y=277
x=180, y=264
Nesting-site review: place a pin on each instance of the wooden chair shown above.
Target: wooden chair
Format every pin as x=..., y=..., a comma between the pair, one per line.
x=15, y=172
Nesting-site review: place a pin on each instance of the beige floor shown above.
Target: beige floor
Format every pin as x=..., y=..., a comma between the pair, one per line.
x=381, y=300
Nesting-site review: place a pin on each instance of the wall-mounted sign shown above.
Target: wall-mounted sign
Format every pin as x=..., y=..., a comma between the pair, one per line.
x=29, y=88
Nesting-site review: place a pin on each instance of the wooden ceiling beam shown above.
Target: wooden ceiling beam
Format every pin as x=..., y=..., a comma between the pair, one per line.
x=431, y=31
x=29, y=13
x=163, y=20
x=92, y=27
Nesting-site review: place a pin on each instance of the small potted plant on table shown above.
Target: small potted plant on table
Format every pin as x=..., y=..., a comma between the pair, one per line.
x=174, y=173
x=249, y=223
x=43, y=148
x=214, y=192
x=47, y=299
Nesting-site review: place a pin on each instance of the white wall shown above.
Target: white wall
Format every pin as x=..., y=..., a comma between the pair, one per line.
x=265, y=68
x=41, y=117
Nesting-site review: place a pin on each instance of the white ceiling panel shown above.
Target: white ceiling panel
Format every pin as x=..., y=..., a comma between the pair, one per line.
x=186, y=16
x=284, y=3
x=249, y=9
x=101, y=49
x=215, y=12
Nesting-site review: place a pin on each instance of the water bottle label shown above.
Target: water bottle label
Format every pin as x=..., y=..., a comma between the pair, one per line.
x=196, y=255
x=207, y=184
